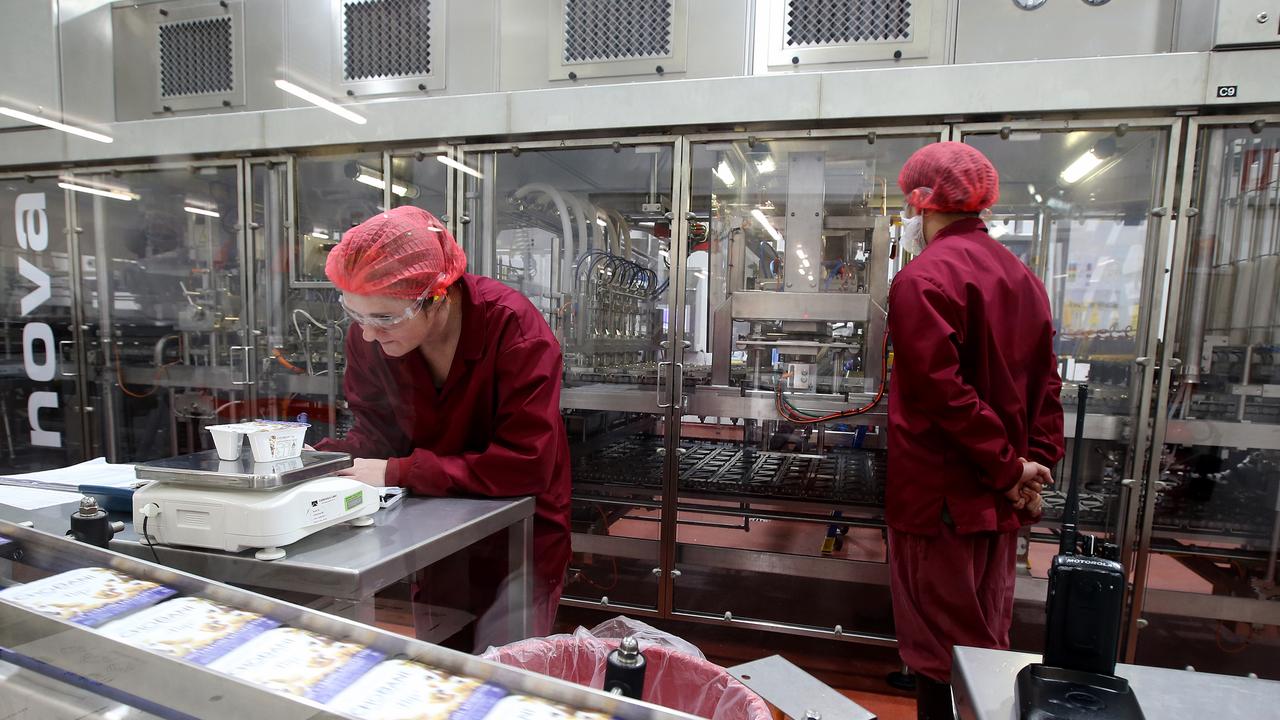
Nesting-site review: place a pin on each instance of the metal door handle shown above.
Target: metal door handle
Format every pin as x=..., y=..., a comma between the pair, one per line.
x=248, y=355
x=662, y=404
x=679, y=385
x=64, y=373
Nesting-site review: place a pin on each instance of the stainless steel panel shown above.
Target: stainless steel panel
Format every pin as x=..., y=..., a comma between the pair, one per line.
x=732, y=100
x=984, y=682
x=795, y=692
x=31, y=76
x=1170, y=80
x=1246, y=22
x=1211, y=433
x=1217, y=607
x=205, y=469
x=341, y=562
x=449, y=117
x=824, y=307
x=88, y=74
x=1248, y=71
x=1063, y=30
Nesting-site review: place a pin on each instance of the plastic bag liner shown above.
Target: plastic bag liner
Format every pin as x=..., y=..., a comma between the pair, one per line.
x=677, y=675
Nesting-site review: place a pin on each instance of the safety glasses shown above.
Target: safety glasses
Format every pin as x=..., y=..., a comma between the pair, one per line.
x=390, y=321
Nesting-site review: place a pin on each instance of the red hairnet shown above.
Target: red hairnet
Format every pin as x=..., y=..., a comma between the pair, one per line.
x=401, y=253
x=960, y=177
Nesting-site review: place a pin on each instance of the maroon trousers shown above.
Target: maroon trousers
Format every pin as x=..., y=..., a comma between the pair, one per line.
x=950, y=589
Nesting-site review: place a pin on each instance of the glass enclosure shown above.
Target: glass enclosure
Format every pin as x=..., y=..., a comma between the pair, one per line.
x=1214, y=525
x=788, y=275
x=41, y=406
x=1076, y=205
x=162, y=296
x=586, y=234
x=720, y=302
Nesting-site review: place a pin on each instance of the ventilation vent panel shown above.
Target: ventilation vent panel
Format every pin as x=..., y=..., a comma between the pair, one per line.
x=196, y=57
x=386, y=39
x=817, y=23
x=606, y=30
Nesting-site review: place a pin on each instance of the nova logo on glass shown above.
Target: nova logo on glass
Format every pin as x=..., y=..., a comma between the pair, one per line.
x=32, y=225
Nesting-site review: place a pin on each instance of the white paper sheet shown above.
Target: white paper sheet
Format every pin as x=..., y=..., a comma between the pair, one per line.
x=93, y=472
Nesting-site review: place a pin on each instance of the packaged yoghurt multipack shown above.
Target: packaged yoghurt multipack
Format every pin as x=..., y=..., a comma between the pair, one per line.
x=194, y=629
x=298, y=662
x=87, y=596
x=405, y=690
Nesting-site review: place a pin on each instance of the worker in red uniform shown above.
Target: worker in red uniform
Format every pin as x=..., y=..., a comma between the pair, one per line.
x=974, y=418
x=454, y=381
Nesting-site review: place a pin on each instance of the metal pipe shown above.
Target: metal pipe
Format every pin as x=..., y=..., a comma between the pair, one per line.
x=565, y=223
x=1201, y=270
x=109, y=388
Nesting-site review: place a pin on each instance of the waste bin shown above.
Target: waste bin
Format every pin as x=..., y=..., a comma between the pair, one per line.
x=674, y=679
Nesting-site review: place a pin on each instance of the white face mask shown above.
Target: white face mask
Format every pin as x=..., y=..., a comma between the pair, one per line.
x=913, y=235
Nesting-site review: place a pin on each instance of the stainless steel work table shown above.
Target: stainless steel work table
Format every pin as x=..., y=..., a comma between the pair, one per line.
x=983, y=682
x=340, y=569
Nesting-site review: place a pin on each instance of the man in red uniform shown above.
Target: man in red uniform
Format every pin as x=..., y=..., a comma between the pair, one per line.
x=974, y=418
x=454, y=381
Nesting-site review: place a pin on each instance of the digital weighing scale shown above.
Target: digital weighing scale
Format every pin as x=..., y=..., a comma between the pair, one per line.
x=233, y=505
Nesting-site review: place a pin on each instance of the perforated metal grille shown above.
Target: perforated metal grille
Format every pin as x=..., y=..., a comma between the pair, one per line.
x=386, y=39
x=846, y=22
x=596, y=30
x=196, y=57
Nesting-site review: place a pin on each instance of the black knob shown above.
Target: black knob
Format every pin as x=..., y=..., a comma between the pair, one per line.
x=659, y=70
x=897, y=54
x=795, y=59
x=573, y=76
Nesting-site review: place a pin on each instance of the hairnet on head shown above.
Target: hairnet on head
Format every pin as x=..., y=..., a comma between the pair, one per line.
x=402, y=253
x=960, y=178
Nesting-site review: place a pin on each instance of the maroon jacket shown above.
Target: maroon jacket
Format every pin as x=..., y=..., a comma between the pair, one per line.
x=493, y=429
x=975, y=384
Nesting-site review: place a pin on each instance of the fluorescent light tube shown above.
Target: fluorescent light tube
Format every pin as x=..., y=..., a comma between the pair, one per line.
x=28, y=117
x=768, y=226
x=1083, y=165
x=320, y=102
x=459, y=166
x=113, y=194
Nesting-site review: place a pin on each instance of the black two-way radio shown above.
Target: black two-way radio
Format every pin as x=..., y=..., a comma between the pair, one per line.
x=1082, y=621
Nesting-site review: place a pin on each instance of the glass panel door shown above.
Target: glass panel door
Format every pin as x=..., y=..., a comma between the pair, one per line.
x=1076, y=205
x=586, y=234
x=1209, y=595
x=163, y=298
x=787, y=271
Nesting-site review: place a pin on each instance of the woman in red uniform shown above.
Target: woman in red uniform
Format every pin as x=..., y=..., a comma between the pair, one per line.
x=974, y=418
x=454, y=381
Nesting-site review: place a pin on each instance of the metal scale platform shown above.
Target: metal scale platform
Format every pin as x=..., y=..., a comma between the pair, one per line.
x=202, y=501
